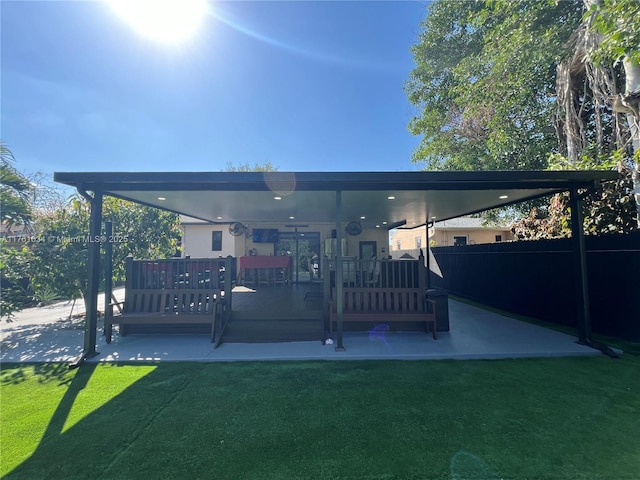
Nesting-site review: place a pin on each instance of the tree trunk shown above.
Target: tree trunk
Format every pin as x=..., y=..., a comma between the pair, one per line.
x=73, y=304
x=631, y=96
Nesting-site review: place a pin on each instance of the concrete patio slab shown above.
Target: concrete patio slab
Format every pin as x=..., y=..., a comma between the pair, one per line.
x=43, y=336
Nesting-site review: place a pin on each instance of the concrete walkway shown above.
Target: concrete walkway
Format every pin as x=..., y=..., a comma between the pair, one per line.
x=47, y=335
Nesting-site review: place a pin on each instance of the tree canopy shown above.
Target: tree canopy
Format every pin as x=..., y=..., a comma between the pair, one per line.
x=246, y=167
x=61, y=256
x=484, y=82
x=15, y=190
x=52, y=262
x=533, y=84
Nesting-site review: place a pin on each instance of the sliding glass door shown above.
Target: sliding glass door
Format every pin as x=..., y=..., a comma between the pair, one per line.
x=304, y=249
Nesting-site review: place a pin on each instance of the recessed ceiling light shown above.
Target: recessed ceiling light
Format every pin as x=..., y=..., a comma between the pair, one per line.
x=502, y=197
x=161, y=198
x=277, y=198
x=391, y=197
x=362, y=217
x=377, y=226
x=291, y=218
x=384, y=223
x=219, y=218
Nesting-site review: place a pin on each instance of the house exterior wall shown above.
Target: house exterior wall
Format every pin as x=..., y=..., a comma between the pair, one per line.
x=245, y=244
x=380, y=236
x=406, y=239
x=325, y=230
x=197, y=240
x=444, y=237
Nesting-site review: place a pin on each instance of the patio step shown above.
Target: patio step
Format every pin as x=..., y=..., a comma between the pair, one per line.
x=268, y=330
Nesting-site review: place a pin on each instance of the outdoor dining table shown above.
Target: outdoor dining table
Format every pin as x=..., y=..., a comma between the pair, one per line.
x=265, y=269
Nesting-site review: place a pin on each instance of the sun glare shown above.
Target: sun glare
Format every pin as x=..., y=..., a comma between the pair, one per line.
x=165, y=21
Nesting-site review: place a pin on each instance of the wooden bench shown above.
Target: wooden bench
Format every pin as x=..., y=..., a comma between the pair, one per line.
x=165, y=307
x=384, y=305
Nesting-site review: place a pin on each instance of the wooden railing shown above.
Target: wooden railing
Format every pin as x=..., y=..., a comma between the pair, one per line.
x=183, y=273
x=179, y=273
x=376, y=273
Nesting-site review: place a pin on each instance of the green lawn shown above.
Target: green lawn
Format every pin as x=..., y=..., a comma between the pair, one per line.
x=565, y=418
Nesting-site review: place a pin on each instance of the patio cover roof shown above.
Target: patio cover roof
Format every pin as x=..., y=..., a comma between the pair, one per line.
x=384, y=199
x=397, y=198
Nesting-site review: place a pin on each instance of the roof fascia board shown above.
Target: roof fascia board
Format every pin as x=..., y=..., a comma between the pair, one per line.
x=325, y=181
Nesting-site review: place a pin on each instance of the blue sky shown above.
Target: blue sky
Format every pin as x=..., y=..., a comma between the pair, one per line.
x=307, y=86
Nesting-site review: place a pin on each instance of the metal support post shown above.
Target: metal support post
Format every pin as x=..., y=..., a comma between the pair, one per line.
x=93, y=283
x=228, y=287
x=339, y=272
x=580, y=270
x=108, y=272
x=91, y=322
x=428, y=259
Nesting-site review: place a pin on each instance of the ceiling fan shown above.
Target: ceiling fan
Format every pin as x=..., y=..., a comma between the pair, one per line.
x=353, y=228
x=237, y=229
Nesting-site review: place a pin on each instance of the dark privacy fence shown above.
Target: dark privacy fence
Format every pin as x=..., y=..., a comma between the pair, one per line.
x=536, y=278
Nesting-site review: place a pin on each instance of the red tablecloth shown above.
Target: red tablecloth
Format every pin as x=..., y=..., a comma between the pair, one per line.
x=281, y=261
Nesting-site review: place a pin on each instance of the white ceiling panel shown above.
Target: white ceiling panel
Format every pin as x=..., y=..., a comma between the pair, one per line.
x=383, y=198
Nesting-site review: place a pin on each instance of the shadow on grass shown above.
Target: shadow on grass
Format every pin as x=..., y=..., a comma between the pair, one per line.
x=341, y=420
x=249, y=420
x=61, y=451
x=75, y=386
x=46, y=372
x=50, y=377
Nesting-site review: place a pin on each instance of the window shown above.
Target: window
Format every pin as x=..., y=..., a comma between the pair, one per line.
x=459, y=240
x=498, y=238
x=418, y=242
x=216, y=241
